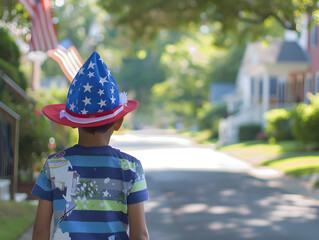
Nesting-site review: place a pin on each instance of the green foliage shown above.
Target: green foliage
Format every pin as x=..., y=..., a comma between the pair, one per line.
x=306, y=121
x=209, y=116
x=10, y=59
x=244, y=17
x=248, y=132
x=15, y=219
x=226, y=67
x=278, y=124
x=36, y=129
x=185, y=89
x=138, y=76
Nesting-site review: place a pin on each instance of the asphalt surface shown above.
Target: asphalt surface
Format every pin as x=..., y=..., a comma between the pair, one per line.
x=198, y=193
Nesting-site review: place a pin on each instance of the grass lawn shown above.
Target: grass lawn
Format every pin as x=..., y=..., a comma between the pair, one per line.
x=287, y=156
x=201, y=137
x=15, y=218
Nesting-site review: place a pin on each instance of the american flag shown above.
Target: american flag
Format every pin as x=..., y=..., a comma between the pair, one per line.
x=43, y=32
x=69, y=60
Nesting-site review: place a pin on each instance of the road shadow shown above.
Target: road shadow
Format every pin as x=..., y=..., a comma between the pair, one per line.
x=226, y=205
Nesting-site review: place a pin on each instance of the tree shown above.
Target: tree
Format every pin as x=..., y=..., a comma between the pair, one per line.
x=185, y=89
x=144, y=19
x=10, y=59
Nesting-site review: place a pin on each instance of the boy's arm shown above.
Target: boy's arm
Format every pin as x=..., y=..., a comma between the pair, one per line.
x=137, y=223
x=42, y=224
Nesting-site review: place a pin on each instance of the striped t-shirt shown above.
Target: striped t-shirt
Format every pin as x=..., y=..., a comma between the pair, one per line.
x=90, y=188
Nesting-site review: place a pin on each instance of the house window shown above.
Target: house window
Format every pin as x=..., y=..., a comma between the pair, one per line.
x=308, y=88
x=281, y=93
x=299, y=90
x=317, y=83
x=313, y=36
x=273, y=86
x=290, y=91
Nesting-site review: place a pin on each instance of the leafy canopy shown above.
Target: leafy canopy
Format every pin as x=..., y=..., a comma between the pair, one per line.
x=144, y=19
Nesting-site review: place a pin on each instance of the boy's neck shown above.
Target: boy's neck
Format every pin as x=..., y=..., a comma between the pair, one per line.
x=94, y=140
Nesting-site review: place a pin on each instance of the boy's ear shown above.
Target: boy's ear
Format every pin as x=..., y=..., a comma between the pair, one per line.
x=117, y=124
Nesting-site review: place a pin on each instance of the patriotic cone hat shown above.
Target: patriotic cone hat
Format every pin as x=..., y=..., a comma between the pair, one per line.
x=93, y=98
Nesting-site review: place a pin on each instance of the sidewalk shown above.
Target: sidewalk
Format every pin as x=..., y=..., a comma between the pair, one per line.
x=27, y=235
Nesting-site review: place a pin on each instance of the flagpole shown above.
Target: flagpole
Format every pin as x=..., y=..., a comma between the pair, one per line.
x=35, y=78
x=36, y=58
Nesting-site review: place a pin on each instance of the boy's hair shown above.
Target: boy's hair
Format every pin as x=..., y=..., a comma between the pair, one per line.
x=100, y=129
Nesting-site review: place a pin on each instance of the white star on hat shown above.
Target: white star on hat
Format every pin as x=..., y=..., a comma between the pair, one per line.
x=102, y=103
x=112, y=90
x=86, y=101
x=81, y=71
x=72, y=106
x=113, y=99
x=100, y=92
x=87, y=87
x=103, y=80
x=91, y=65
x=91, y=74
x=108, y=72
x=74, y=80
x=84, y=111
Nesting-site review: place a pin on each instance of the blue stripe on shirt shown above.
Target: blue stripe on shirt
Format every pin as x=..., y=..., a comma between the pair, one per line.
x=137, y=197
x=98, y=161
x=95, y=216
x=99, y=236
x=104, y=172
x=92, y=227
x=41, y=193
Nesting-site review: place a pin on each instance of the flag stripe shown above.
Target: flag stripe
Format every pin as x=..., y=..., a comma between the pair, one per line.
x=43, y=32
x=70, y=61
x=48, y=10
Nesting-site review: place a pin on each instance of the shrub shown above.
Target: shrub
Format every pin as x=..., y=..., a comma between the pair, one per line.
x=278, y=124
x=248, y=132
x=10, y=58
x=36, y=129
x=209, y=116
x=306, y=121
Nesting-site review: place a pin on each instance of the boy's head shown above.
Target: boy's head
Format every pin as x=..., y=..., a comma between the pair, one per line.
x=93, y=99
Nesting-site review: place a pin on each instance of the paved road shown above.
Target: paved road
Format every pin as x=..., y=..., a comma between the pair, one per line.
x=198, y=193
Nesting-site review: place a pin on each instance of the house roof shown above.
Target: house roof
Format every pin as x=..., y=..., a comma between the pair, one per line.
x=278, y=51
x=219, y=90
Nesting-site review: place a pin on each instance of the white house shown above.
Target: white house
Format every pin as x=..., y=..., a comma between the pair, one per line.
x=271, y=75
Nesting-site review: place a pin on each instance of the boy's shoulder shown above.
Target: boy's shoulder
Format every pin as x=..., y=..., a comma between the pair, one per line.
x=92, y=151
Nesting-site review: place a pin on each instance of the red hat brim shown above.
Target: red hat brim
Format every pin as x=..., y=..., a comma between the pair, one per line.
x=53, y=113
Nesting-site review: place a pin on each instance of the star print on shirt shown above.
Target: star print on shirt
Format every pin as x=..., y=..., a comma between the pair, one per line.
x=105, y=194
x=86, y=101
x=74, y=81
x=87, y=87
x=91, y=65
x=91, y=74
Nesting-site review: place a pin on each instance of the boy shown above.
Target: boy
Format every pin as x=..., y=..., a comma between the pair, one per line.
x=93, y=190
